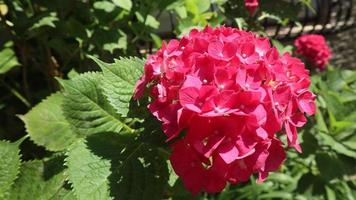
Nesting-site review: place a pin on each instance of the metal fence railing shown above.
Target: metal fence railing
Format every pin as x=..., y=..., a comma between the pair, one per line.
x=326, y=16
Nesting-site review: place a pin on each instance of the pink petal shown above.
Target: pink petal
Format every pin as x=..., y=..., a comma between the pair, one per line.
x=261, y=133
x=188, y=97
x=192, y=81
x=228, y=152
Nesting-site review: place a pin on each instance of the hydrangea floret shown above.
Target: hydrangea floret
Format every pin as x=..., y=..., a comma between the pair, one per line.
x=314, y=49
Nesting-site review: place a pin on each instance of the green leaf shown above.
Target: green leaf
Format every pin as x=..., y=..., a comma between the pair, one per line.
x=46, y=21
x=139, y=171
x=88, y=173
x=105, y=6
x=8, y=59
x=173, y=177
x=241, y=23
x=320, y=122
x=72, y=74
x=47, y=126
x=276, y=195
x=197, y=6
x=181, y=11
x=9, y=166
x=327, y=163
x=120, y=43
x=125, y=4
x=156, y=39
x=142, y=174
x=119, y=81
x=110, y=40
x=281, y=48
x=148, y=21
x=336, y=145
x=37, y=180
x=86, y=108
x=152, y=22
x=330, y=194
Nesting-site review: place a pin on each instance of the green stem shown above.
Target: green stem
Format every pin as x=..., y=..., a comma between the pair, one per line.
x=17, y=94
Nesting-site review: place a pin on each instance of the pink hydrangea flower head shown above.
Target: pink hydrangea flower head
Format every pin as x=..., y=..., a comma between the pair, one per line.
x=314, y=49
x=231, y=92
x=251, y=6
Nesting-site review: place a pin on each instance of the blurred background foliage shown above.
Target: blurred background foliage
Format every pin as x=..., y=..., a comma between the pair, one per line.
x=41, y=40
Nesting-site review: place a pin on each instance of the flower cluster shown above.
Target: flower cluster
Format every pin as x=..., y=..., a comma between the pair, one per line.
x=314, y=48
x=251, y=6
x=230, y=93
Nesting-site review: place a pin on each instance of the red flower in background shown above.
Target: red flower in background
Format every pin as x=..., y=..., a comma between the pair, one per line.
x=251, y=6
x=232, y=93
x=314, y=48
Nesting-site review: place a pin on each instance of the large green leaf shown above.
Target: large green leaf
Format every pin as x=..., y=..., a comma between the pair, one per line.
x=47, y=126
x=9, y=166
x=119, y=81
x=86, y=108
x=88, y=173
x=142, y=175
x=37, y=180
x=139, y=171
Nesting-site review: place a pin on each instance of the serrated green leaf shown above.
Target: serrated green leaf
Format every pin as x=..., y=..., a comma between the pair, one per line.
x=34, y=183
x=47, y=126
x=9, y=166
x=143, y=174
x=139, y=171
x=88, y=173
x=119, y=81
x=66, y=194
x=86, y=108
x=72, y=74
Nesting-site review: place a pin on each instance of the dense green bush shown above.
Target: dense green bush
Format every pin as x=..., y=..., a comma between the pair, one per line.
x=88, y=140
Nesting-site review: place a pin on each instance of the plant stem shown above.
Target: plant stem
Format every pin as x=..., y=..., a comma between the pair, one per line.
x=17, y=94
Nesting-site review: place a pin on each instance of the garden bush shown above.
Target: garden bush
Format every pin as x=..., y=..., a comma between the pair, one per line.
x=72, y=129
